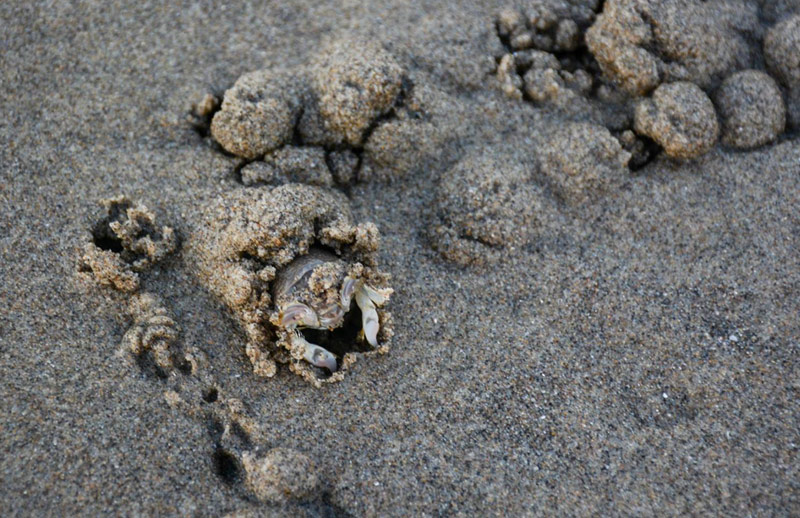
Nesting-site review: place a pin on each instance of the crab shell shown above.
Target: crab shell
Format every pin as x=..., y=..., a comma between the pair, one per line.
x=310, y=291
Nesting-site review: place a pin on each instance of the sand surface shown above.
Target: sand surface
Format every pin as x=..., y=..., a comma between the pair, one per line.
x=638, y=355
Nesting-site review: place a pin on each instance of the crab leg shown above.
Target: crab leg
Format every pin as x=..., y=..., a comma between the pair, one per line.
x=298, y=315
x=379, y=297
x=349, y=287
x=369, y=316
x=314, y=354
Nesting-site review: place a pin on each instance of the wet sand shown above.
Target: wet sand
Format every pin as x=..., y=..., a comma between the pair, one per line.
x=636, y=354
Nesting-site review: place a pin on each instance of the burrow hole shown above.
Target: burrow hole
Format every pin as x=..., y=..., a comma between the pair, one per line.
x=211, y=395
x=226, y=466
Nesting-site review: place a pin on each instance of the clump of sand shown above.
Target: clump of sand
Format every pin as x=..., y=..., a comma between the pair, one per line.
x=279, y=475
x=356, y=82
x=751, y=109
x=782, y=56
x=782, y=51
x=583, y=161
x=251, y=235
x=680, y=117
x=485, y=204
x=125, y=241
x=258, y=113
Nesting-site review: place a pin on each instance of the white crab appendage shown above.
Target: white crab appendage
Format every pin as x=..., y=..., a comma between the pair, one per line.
x=307, y=296
x=368, y=300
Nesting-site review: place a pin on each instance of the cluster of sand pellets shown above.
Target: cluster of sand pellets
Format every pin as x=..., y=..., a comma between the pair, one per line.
x=351, y=114
x=677, y=74
x=486, y=204
x=491, y=203
x=282, y=250
x=624, y=80
x=123, y=242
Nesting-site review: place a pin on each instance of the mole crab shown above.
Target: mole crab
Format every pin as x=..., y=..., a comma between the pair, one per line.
x=300, y=277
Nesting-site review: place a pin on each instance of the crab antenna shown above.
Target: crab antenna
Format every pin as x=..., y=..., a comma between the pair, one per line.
x=369, y=317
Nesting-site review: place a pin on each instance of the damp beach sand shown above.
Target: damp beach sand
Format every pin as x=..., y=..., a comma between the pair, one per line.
x=543, y=258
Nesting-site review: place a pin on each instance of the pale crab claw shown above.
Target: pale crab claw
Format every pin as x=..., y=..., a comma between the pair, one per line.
x=298, y=315
x=316, y=355
x=367, y=298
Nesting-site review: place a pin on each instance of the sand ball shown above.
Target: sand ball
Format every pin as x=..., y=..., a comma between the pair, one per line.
x=751, y=109
x=582, y=160
x=485, y=204
x=280, y=475
x=356, y=82
x=680, y=118
x=782, y=51
x=258, y=113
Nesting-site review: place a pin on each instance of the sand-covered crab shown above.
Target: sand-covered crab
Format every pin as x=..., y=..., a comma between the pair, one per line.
x=305, y=295
x=300, y=277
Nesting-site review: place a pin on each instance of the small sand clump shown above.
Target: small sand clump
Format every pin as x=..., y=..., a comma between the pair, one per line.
x=680, y=118
x=617, y=39
x=546, y=83
x=582, y=161
x=289, y=164
x=108, y=268
x=543, y=82
x=124, y=241
x=343, y=165
x=396, y=147
x=508, y=80
x=782, y=56
x=202, y=111
x=751, y=109
x=153, y=331
x=258, y=113
x=782, y=51
x=280, y=475
x=415, y=137
x=356, y=82
x=404, y=144
x=484, y=205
